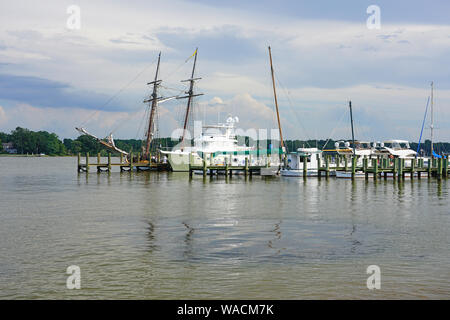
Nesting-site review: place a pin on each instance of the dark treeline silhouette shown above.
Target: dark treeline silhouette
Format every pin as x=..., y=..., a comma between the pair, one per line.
x=42, y=142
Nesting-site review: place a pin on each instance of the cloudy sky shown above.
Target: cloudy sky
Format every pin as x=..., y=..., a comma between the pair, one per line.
x=55, y=78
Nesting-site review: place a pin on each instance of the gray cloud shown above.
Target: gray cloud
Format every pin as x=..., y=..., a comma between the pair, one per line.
x=47, y=93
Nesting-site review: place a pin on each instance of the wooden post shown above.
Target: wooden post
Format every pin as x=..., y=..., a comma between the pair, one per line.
x=204, y=167
x=394, y=173
x=305, y=166
x=446, y=167
x=98, y=163
x=327, y=165
x=226, y=169
x=354, y=159
x=440, y=167
x=190, y=165
x=413, y=167
x=109, y=161
x=87, y=161
x=319, y=165
x=246, y=167
x=79, y=161
x=401, y=172
x=121, y=158
x=430, y=163
x=131, y=162
x=365, y=165
x=345, y=163
x=375, y=168
x=420, y=166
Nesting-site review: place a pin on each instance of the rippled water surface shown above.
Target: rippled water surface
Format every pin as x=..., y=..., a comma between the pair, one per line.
x=162, y=236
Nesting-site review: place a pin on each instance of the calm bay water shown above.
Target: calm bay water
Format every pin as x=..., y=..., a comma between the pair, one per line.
x=151, y=235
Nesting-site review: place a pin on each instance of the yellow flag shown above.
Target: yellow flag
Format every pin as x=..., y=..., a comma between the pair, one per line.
x=192, y=55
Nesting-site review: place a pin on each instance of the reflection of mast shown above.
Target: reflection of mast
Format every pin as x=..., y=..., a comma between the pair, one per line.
x=190, y=95
x=432, y=119
x=154, y=100
x=276, y=101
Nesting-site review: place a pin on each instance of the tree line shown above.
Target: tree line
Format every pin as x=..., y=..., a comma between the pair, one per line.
x=26, y=141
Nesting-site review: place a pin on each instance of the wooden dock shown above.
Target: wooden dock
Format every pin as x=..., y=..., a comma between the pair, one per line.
x=135, y=163
x=383, y=166
x=372, y=166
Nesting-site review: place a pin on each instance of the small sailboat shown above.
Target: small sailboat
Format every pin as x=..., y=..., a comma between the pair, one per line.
x=296, y=162
x=359, y=148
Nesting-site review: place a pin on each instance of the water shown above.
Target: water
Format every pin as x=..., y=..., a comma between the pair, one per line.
x=161, y=236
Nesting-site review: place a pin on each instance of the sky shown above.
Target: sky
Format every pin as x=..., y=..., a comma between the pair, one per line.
x=55, y=77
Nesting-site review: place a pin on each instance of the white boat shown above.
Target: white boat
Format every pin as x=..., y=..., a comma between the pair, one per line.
x=294, y=166
x=396, y=148
x=218, y=144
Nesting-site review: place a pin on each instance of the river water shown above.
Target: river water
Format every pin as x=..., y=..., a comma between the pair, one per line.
x=151, y=235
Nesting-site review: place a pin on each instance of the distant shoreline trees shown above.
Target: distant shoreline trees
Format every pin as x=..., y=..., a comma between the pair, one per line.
x=26, y=141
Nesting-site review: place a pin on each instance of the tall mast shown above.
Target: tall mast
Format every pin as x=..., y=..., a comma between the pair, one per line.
x=432, y=118
x=154, y=100
x=276, y=101
x=351, y=121
x=190, y=95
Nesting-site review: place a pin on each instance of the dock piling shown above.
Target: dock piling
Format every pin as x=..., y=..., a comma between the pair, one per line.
x=87, y=161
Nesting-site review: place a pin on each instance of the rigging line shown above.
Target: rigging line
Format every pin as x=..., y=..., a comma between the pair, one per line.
x=423, y=124
x=173, y=89
x=141, y=122
x=121, y=123
x=117, y=93
x=291, y=105
x=332, y=132
x=177, y=69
